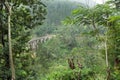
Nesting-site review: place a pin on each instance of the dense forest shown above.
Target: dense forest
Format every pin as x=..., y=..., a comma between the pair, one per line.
x=59, y=40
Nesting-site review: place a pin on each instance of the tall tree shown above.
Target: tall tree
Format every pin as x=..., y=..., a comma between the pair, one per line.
x=25, y=16
x=9, y=41
x=102, y=16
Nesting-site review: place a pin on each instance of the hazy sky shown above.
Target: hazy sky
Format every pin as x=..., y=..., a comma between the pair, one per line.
x=100, y=1
x=97, y=1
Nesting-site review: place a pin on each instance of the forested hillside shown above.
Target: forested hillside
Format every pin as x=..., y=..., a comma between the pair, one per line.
x=59, y=40
x=57, y=11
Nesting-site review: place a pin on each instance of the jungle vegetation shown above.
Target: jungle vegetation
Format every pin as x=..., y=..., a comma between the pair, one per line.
x=85, y=46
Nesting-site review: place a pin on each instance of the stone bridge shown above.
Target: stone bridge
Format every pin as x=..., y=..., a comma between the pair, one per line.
x=33, y=43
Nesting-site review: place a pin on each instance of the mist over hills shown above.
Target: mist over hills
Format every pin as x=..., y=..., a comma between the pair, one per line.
x=57, y=11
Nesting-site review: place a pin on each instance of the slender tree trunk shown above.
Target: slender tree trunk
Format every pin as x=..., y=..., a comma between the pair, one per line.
x=106, y=51
x=10, y=45
x=106, y=55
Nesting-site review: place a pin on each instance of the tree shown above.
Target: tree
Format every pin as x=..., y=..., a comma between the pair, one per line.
x=25, y=16
x=102, y=16
x=9, y=41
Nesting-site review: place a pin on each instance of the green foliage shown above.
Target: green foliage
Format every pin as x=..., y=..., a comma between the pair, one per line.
x=47, y=54
x=82, y=38
x=62, y=75
x=67, y=74
x=69, y=42
x=102, y=15
x=58, y=10
x=25, y=16
x=115, y=74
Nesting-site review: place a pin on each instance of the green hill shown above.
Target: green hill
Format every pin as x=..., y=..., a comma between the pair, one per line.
x=57, y=11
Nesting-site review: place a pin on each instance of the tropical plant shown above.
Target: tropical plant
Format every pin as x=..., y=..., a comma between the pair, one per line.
x=22, y=16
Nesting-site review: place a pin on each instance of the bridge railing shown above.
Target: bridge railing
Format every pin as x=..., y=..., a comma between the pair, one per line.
x=33, y=43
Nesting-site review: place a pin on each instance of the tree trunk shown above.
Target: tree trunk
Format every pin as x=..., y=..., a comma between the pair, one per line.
x=10, y=46
x=106, y=54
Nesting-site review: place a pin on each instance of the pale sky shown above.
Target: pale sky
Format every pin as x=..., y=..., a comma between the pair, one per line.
x=99, y=1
